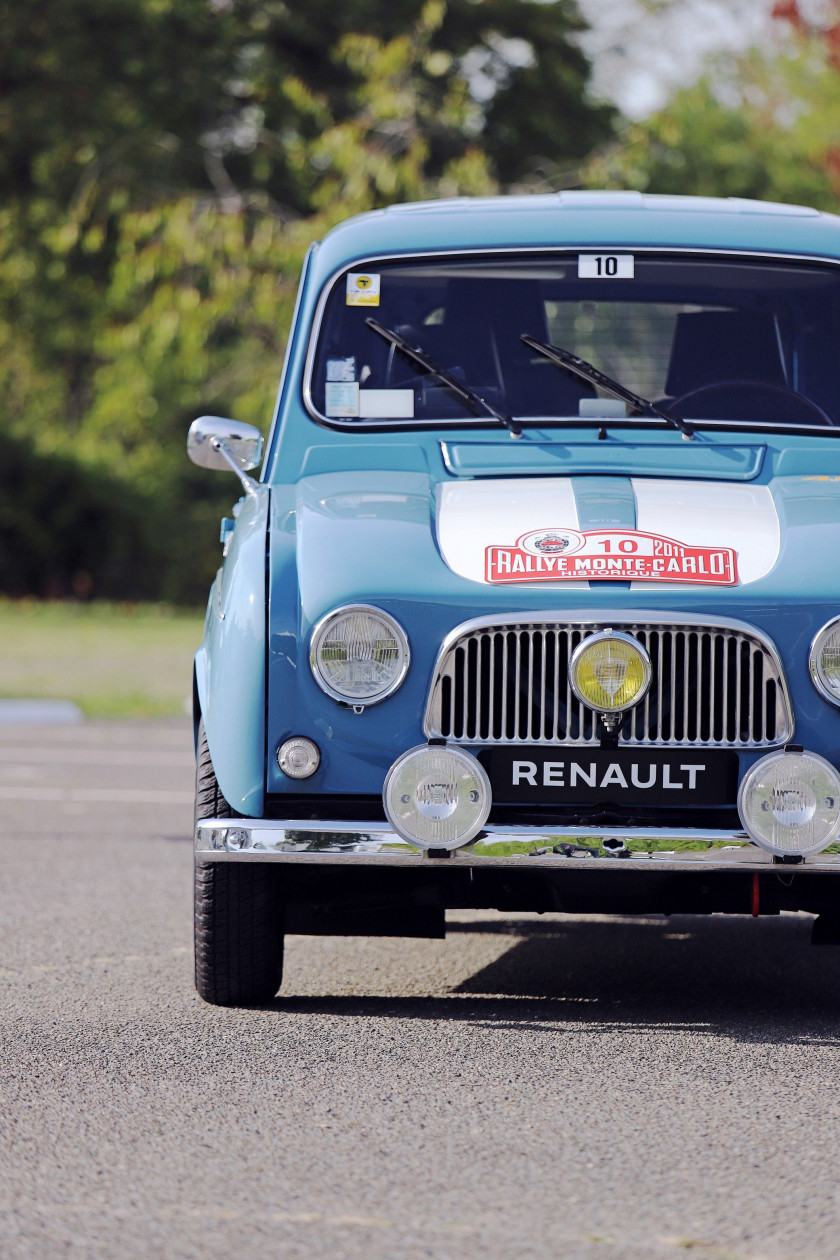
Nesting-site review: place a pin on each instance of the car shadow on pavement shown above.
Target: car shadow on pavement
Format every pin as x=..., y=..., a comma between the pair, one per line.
x=755, y=980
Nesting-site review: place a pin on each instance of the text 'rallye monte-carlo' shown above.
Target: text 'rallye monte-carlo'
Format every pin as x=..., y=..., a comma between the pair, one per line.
x=536, y=602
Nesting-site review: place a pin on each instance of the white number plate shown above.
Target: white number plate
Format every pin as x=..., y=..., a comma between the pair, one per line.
x=606, y=266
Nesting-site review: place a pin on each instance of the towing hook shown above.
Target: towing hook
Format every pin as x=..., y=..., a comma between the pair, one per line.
x=615, y=847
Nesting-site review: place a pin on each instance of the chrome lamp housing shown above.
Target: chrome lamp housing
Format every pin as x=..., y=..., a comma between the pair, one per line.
x=610, y=672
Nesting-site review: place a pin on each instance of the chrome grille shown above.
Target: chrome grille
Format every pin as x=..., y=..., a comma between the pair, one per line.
x=714, y=683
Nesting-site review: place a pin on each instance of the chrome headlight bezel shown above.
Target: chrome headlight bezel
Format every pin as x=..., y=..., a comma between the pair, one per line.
x=607, y=636
x=759, y=770
x=814, y=664
x=318, y=635
x=469, y=768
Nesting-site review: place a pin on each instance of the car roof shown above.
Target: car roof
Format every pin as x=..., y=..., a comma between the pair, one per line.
x=582, y=219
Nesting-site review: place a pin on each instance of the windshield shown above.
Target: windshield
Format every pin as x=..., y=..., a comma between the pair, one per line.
x=707, y=338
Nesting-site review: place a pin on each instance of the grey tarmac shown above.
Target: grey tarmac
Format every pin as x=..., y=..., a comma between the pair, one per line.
x=534, y=1086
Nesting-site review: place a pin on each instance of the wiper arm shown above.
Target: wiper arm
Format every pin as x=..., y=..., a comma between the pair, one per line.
x=588, y=372
x=467, y=395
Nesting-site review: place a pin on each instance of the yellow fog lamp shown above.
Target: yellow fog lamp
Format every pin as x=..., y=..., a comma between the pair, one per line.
x=610, y=673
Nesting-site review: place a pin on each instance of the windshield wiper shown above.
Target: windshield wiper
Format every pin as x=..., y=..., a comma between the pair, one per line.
x=467, y=395
x=588, y=372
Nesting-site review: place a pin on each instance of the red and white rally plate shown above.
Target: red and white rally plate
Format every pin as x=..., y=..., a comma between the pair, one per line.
x=608, y=555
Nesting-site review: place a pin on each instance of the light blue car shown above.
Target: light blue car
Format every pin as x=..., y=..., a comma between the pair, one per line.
x=536, y=602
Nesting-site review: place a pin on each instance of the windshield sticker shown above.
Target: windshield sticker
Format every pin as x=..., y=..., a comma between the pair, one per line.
x=386, y=404
x=608, y=555
x=362, y=289
x=606, y=266
x=342, y=398
x=342, y=369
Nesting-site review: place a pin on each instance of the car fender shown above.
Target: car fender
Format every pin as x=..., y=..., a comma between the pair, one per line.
x=230, y=663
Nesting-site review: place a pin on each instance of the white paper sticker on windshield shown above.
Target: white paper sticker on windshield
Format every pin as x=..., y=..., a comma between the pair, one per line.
x=362, y=289
x=342, y=369
x=342, y=398
x=387, y=404
x=606, y=266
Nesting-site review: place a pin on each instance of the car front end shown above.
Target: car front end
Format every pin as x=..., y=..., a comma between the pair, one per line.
x=495, y=633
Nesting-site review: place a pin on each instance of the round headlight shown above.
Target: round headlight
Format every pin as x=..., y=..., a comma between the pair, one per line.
x=789, y=802
x=437, y=797
x=359, y=654
x=825, y=661
x=610, y=671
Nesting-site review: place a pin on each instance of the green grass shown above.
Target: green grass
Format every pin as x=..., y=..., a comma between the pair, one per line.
x=113, y=660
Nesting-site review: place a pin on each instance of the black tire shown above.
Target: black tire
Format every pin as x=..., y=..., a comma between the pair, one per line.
x=209, y=802
x=238, y=913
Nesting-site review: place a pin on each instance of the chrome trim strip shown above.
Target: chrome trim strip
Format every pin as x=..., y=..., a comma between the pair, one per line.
x=626, y=619
x=368, y=262
x=375, y=844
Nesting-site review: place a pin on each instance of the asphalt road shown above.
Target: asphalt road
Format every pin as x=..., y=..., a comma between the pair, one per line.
x=531, y=1087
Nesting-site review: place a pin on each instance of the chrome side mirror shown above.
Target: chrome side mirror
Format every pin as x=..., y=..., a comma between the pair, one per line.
x=214, y=442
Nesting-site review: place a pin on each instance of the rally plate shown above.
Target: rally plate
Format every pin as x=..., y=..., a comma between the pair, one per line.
x=621, y=776
x=563, y=555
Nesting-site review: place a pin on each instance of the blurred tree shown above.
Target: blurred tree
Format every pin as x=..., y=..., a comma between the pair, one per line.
x=148, y=96
x=165, y=165
x=517, y=60
x=201, y=292
x=66, y=530
x=765, y=124
x=114, y=91
x=106, y=364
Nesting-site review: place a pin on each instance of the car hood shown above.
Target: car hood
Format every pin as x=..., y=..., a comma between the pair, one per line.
x=405, y=536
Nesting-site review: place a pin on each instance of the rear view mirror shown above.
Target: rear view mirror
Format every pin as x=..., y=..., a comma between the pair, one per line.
x=210, y=436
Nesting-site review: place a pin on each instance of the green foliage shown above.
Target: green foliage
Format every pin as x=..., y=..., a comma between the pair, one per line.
x=758, y=125
x=113, y=91
x=64, y=528
x=149, y=96
x=166, y=164
x=531, y=107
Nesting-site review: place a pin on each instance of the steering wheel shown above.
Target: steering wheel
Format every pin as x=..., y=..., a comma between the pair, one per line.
x=724, y=398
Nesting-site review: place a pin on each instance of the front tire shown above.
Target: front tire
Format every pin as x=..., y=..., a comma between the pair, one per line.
x=238, y=913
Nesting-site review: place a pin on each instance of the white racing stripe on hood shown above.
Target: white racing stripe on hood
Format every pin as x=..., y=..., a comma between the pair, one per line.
x=712, y=514
x=472, y=515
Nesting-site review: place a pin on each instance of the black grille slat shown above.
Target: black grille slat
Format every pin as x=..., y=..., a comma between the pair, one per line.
x=457, y=722
x=770, y=731
x=757, y=724
x=509, y=683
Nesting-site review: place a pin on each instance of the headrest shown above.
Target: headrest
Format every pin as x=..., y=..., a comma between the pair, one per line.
x=713, y=346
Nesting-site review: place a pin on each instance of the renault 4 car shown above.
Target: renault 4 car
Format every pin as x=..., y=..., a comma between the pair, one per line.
x=535, y=604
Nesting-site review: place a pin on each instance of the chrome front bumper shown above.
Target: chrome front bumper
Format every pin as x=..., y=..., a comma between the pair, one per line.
x=375, y=844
